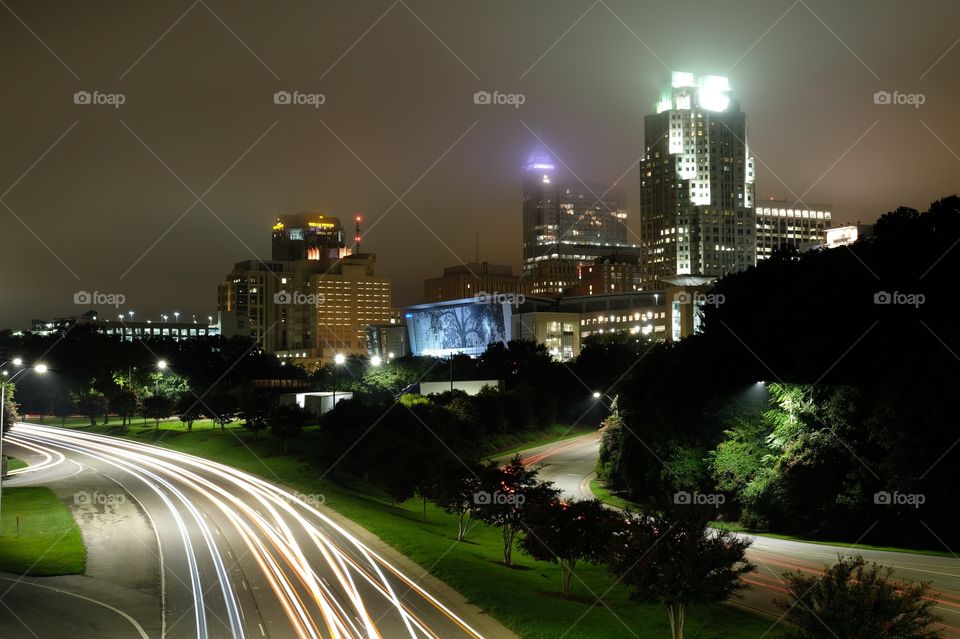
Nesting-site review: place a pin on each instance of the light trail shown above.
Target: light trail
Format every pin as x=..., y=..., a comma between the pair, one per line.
x=293, y=547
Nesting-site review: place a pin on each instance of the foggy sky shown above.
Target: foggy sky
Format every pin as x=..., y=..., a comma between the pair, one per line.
x=399, y=99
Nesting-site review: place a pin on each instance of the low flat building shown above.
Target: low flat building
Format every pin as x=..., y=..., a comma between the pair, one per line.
x=616, y=273
x=782, y=223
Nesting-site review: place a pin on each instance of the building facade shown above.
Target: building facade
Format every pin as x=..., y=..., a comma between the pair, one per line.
x=470, y=280
x=785, y=223
x=697, y=184
x=610, y=274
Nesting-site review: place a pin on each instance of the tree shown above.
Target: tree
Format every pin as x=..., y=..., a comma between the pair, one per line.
x=286, y=422
x=506, y=496
x=158, y=407
x=255, y=412
x=189, y=409
x=221, y=408
x=856, y=600
x=91, y=403
x=10, y=413
x=455, y=492
x=63, y=406
x=612, y=432
x=568, y=532
x=127, y=403
x=677, y=561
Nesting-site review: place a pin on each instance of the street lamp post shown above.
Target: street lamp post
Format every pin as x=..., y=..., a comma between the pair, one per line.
x=613, y=401
x=40, y=368
x=338, y=360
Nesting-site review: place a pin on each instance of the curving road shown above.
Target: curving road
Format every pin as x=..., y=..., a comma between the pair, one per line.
x=214, y=552
x=570, y=465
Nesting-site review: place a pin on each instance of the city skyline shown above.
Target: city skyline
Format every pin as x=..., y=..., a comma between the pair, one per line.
x=199, y=111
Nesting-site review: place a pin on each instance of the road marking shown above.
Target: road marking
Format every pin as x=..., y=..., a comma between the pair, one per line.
x=133, y=622
x=262, y=632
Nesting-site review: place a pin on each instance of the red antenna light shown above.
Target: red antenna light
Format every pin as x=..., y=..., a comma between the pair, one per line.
x=357, y=237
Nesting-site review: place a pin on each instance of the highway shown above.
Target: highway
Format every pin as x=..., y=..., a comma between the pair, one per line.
x=570, y=465
x=231, y=555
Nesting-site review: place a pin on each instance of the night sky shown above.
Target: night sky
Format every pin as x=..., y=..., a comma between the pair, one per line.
x=106, y=192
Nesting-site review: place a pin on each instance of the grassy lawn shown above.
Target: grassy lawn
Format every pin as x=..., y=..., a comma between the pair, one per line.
x=609, y=497
x=524, y=598
x=49, y=542
x=15, y=464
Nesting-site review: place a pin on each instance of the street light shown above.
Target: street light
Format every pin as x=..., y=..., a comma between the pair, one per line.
x=376, y=360
x=613, y=402
x=176, y=316
x=40, y=368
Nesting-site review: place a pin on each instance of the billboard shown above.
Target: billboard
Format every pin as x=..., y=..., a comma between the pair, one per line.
x=462, y=326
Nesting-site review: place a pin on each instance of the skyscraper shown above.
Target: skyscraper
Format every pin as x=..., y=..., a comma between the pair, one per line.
x=696, y=209
x=567, y=222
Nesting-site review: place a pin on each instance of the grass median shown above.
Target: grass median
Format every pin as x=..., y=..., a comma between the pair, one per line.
x=524, y=598
x=39, y=535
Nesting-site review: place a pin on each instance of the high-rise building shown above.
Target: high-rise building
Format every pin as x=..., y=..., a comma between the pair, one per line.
x=470, y=280
x=308, y=236
x=797, y=224
x=567, y=221
x=311, y=308
x=697, y=184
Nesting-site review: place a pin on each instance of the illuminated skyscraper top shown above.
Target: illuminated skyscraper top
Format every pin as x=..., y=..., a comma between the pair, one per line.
x=308, y=236
x=696, y=183
x=567, y=221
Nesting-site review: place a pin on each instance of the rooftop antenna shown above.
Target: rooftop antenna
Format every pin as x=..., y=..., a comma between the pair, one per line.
x=477, y=255
x=356, y=238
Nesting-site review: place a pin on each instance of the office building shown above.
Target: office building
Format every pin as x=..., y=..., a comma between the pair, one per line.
x=312, y=308
x=470, y=280
x=124, y=326
x=566, y=221
x=697, y=184
x=610, y=274
x=787, y=223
